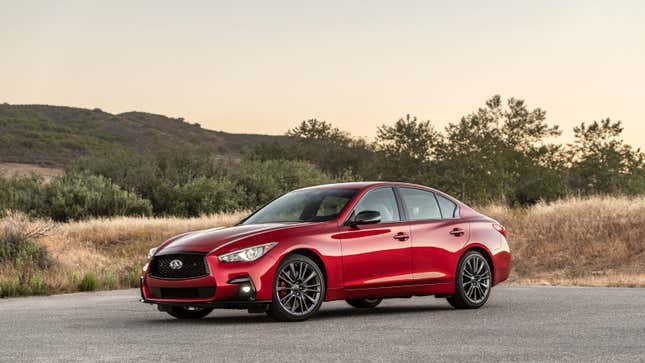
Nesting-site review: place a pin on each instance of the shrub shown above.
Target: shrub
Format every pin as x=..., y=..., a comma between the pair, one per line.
x=261, y=181
x=18, y=241
x=23, y=193
x=74, y=196
x=89, y=282
x=80, y=196
x=204, y=195
x=38, y=286
x=9, y=287
x=190, y=183
x=108, y=281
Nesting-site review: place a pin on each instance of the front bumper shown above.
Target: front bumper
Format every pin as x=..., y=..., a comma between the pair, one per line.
x=221, y=288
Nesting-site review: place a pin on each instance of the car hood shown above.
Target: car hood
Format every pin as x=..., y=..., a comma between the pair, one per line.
x=210, y=239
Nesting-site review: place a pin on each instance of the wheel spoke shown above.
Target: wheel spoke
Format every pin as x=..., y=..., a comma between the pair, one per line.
x=294, y=274
x=311, y=276
x=286, y=298
x=301, y=304
x=481, y=267
x=469, y=292
x=285, y=277
x=300, y=271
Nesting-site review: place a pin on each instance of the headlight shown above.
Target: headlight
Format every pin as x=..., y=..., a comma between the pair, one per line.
x=247, y=254
x=152, y=252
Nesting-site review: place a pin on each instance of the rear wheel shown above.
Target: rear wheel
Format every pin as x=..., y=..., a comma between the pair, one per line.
x=298, y=289
x=472, y=283
x=364, y=303
x=188, y=312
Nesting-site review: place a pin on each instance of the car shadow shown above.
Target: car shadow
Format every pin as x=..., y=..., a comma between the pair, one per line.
x=325, y=314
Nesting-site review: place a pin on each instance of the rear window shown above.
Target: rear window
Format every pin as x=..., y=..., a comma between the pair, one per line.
x=420, y=204
x=448, y=208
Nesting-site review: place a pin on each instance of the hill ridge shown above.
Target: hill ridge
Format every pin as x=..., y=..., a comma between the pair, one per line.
x=55, y=135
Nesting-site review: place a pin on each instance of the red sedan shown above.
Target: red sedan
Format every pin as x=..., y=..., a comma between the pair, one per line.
x=361, y=242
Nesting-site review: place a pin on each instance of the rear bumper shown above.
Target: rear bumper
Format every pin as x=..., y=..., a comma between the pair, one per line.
x=221, y=288
x=501, y=264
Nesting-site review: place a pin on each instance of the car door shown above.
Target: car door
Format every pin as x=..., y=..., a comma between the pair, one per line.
x=437, y=233
x=376, y=255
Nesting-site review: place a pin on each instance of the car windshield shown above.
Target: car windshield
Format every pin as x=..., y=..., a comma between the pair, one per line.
x=312, y=205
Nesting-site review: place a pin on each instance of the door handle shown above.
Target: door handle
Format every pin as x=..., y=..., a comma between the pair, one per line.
x=457, y=232
x=401, y=236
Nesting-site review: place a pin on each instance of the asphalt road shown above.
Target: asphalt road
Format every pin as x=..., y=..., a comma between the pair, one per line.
x=518, y=324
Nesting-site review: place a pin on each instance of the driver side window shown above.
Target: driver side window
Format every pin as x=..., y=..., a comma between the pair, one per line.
x=380, y=200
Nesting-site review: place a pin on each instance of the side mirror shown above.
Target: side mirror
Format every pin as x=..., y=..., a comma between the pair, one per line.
x=367, y=217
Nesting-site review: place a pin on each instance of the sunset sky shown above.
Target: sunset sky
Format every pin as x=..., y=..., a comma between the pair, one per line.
x=261, y=67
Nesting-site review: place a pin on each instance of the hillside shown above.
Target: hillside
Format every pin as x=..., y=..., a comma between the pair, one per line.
x=55, y=135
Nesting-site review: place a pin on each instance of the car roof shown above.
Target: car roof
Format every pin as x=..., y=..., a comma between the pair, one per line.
x=364, y=184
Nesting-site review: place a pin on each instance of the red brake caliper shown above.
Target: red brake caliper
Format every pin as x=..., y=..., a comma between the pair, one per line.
x=282, y=293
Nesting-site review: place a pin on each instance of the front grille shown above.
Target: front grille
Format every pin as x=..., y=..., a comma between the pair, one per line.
x=192, y=265
x=182, y=293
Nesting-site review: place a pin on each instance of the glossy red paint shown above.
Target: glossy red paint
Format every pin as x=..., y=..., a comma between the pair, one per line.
x=398, y=259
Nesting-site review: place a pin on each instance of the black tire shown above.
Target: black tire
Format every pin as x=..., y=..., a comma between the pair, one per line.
x=182, y=312
x=296, y=290
x=364, y=303
x=473, y=282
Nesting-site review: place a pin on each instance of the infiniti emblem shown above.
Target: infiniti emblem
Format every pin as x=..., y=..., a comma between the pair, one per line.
x=176, y=264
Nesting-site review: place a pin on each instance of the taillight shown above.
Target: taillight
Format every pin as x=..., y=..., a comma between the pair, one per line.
x=499, y=228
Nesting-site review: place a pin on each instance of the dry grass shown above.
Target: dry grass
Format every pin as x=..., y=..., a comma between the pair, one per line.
x=594, y=241
x=113, y=250
x=598, y=241
x=19, y=169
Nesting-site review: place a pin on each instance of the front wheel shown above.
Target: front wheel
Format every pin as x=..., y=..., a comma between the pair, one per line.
x=364, y=303
x=188, y=312
x=298, y=289
x=472, y=283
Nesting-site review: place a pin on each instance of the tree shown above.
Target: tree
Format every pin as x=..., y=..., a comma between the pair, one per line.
x=316, y=130
x=499, y=153
x=602, y=163
x=324, y=145
x=406, y=147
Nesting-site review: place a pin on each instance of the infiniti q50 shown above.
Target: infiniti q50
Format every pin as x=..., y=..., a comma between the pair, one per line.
x=359, y=242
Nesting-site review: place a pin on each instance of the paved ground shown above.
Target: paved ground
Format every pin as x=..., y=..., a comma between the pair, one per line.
x=518, y=324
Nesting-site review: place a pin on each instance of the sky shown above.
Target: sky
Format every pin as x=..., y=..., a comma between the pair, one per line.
x=264, y=66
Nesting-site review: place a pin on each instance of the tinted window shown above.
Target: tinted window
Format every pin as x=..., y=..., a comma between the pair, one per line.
x=448, y=208
x=313, y=205
x=420, y=204
x=380, y=200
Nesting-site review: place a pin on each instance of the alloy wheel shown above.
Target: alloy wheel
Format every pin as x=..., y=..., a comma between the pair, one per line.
x=475, y=278
x=299, y=288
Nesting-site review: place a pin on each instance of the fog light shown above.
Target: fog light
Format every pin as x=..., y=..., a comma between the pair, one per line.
x=245, y=289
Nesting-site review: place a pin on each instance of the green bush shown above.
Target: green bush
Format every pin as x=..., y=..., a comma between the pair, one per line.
x=79, y=196
x=190, y=183
x=261, y=181
x=10, y=287
x=89, y=282
x=23, y=193
x=204, y=195
x=38, y=286
x=70, y=197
